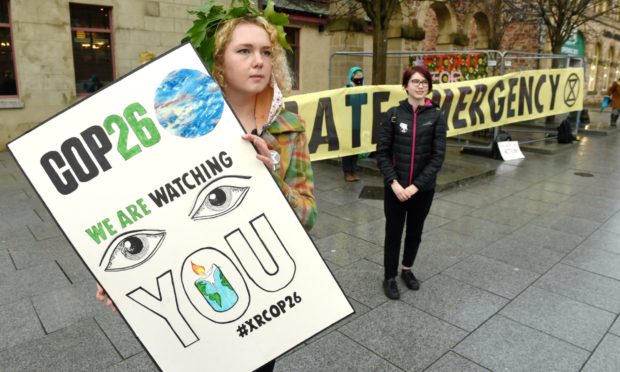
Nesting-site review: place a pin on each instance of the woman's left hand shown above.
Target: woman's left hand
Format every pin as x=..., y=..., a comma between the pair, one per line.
x=411, y=190
x=263, y=150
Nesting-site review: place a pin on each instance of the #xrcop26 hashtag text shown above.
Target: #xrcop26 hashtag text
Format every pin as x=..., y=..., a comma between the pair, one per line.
x=267, y=315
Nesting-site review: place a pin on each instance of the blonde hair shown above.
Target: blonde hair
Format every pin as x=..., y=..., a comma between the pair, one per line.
x=223, y=35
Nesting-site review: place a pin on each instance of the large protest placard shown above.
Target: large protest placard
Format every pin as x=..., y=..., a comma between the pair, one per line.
x=189, y=234
x=345, y=121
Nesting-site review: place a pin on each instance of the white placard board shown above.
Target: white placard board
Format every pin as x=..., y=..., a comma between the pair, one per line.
x=510, y=150
x=186, y=230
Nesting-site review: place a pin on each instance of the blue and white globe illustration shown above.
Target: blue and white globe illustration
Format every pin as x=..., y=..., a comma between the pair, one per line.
x=188, y=103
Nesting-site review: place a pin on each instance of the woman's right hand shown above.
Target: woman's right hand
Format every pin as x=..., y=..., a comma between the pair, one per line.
x=263, y=150
x=103, y=297
x=399, y=191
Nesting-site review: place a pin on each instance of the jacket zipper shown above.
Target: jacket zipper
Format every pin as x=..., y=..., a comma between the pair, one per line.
x=415, y=126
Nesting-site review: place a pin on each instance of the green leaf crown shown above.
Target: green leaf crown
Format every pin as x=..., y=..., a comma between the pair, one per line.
x=212, y=15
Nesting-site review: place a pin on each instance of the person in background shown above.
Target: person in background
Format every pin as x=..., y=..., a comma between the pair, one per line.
x=93, y=84
x=614, y=92
x=250, y=66
x=349, y=163
x=410, y=152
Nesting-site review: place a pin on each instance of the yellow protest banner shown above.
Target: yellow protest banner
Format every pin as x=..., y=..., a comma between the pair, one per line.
x=344, y=121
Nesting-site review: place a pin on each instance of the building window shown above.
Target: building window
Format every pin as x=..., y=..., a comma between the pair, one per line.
x=8, y=83
x=292, y=36
x=594, y=69
x=91, y=36
x=607, y=76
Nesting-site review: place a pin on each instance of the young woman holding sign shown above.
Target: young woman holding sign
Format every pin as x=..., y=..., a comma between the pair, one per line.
x=410, y=152
x=250, y=66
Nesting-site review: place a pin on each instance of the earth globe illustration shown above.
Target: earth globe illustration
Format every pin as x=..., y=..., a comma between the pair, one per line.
x=188, y=103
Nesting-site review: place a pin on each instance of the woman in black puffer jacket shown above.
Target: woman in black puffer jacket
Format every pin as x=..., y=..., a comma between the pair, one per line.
x=410, y=151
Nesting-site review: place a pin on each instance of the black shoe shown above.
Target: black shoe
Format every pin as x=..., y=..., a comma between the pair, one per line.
x=390, y=289
x=410, y=281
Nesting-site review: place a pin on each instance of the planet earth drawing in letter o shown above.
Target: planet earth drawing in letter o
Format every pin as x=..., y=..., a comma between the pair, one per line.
x=188, y=103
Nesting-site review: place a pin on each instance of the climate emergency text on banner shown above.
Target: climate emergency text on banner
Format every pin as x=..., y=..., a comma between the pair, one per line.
x=344, y=121
x=185, y=229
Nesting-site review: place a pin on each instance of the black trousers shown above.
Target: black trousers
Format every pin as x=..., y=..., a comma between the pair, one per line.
x=349, y=163
x=267, y=367
x=414, y=212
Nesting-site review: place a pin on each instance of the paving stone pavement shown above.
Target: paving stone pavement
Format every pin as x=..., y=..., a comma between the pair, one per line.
x=520, y=271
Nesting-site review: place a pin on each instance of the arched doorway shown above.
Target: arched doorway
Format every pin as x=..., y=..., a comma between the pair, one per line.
x=440, y=25
x=478, y=31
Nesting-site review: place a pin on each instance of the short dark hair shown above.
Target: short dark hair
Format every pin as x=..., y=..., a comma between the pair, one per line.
x=409, y=71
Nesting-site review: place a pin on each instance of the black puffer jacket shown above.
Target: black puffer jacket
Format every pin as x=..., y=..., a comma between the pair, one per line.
x=400, y=132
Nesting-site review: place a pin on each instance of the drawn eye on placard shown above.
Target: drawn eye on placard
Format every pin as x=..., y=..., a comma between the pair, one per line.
x=132, y=249
x=219, y=197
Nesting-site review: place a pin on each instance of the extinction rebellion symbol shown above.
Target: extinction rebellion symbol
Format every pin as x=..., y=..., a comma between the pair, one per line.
x=571, y=90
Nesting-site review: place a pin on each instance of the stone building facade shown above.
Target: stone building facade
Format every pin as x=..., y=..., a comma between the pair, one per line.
x=42, y=43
